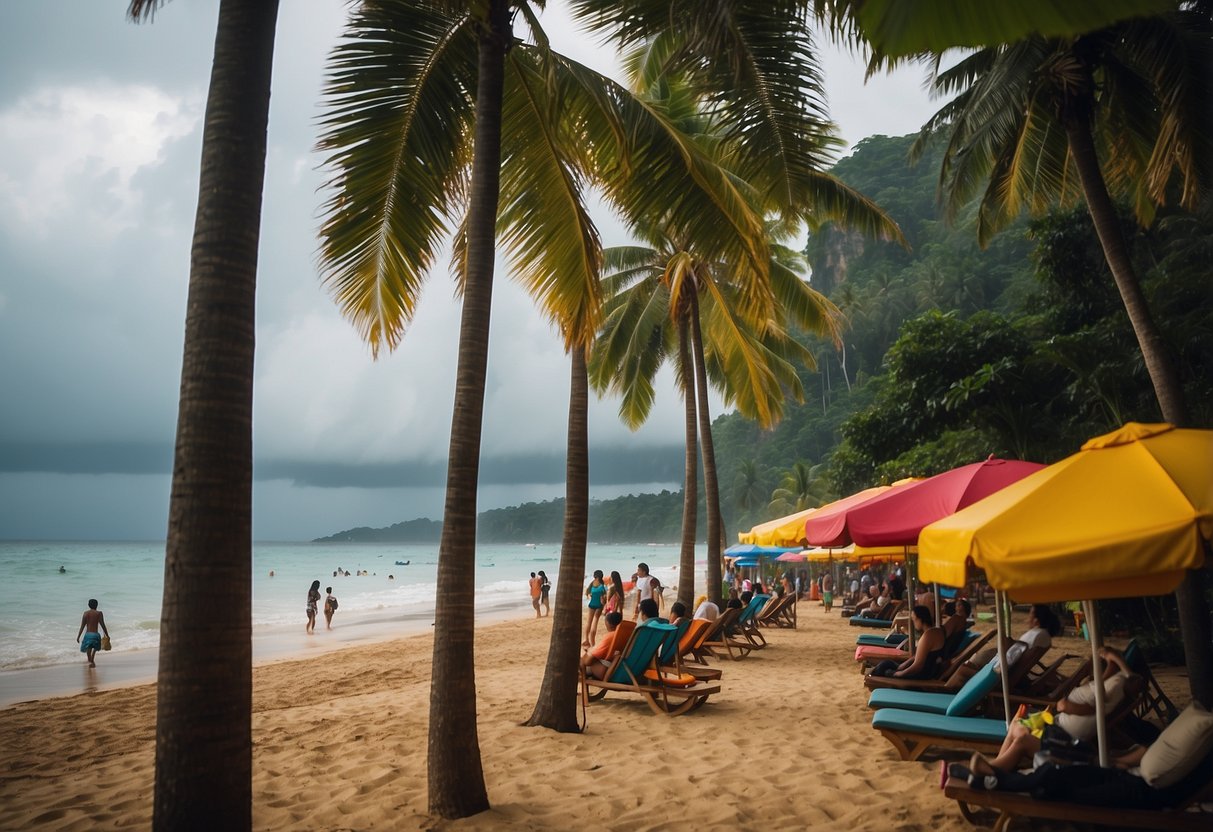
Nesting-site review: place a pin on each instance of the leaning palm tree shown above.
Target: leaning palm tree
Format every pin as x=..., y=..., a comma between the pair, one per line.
x=204, y=689
x=1121, y=110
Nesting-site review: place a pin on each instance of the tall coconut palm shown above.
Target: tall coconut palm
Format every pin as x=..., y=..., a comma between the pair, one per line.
x=434, y=113
x=1120, y=110
x=654, y=298
x=204, y=693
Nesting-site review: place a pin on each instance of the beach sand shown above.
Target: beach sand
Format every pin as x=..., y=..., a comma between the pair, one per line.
x=340, y=739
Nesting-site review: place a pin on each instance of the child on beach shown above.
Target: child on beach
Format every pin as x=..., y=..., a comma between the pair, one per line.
x=90, y=621
x=595, y=592
x=313, y=600
x=827, y=591
x=330, y=607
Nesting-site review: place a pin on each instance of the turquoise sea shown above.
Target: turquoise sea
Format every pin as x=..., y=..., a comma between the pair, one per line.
x=41, y=607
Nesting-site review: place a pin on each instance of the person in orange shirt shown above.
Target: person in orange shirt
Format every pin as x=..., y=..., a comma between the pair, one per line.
x=597, y=659
x=536, y=585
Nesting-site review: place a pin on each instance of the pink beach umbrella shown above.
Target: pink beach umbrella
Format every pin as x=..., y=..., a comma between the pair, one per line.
x=896, y=517
x=827, y=527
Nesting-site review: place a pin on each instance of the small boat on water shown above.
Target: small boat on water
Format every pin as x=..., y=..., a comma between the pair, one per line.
x=402, y=563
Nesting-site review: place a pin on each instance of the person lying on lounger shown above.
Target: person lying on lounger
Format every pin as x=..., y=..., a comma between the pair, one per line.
x=1075, y=714
x=928, y=653
x=1169, y=772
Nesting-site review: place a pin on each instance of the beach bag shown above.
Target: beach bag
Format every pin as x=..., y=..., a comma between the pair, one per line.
x=105, y=642
x=333, y=603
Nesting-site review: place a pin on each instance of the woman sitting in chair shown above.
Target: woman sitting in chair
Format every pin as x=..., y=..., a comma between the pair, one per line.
x=928, y=653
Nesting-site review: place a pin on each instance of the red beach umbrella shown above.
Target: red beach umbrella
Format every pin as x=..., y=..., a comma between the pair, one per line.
x=896, y=517
x=827, y=527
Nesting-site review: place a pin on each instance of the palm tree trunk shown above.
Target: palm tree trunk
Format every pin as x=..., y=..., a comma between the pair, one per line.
x=690, y=476
x=456, y=778
x=1193, y=608
x=711, y=488
x=204, y=704
x=556, y=706
x=1154, y=351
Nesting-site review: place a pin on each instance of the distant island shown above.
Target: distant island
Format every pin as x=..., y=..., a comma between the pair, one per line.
x=635, y=518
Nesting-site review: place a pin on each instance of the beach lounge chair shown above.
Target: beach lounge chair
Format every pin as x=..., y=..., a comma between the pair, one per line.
x=880, y=639
x=961, y=703
x=695, y=632
x=635, y=670
x=1153, y=700
x=776, y=613
x=946, y=680
x=1195, y=788
x=884, y=618
x=869, y=655
x=913, y=732
x=719, y=639
x=1011, y=805
x=747, y=622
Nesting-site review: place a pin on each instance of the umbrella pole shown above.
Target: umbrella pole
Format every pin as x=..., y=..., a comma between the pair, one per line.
x=910, y=573
x=935, y=592
x=1002, y=627
x=1101, y=715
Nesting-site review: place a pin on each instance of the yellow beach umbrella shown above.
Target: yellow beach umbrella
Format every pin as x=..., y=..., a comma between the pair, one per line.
x=1123, y=517
x=784, y=531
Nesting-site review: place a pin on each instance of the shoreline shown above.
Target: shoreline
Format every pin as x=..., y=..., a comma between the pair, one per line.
x=130, y=668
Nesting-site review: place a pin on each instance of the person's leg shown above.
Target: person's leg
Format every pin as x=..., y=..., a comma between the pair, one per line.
x=92, y=651
x=328, y=619
x=1018, y=745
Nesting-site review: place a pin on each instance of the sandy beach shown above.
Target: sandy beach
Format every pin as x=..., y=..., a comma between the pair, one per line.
x=339, y=743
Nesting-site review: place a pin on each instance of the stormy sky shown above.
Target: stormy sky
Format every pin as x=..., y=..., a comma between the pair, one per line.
x=100, y=134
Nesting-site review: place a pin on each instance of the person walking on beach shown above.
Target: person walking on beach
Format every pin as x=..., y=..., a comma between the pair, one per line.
x=535, y=583
x=594, y=592
x=544, y=588
x=89, y=622
x=313, y=601
x=330, y=607
x=615, y=596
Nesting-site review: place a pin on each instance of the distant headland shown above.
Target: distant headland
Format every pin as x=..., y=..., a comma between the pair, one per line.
x=629, y=519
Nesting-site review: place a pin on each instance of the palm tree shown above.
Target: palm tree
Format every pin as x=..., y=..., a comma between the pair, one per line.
x=1123, y=109
x=801, y=487
x=747, y=488
x=419, y=93
x=204, y=750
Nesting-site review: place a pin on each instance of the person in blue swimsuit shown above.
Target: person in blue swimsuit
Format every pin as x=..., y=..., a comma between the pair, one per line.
x=596, y=591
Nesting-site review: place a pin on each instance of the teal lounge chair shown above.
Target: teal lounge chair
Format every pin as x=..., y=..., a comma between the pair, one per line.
x=913, y=732
x=961, y=703
x=747, y=622
x=880, y=639
x=883, y=619
x=635, y=670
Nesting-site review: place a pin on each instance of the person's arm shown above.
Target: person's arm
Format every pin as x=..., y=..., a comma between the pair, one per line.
x=101, y=621
x=81, y=629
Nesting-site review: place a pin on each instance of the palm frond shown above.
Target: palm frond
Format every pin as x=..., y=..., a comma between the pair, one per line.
x=544, y=226
x=398, y=103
